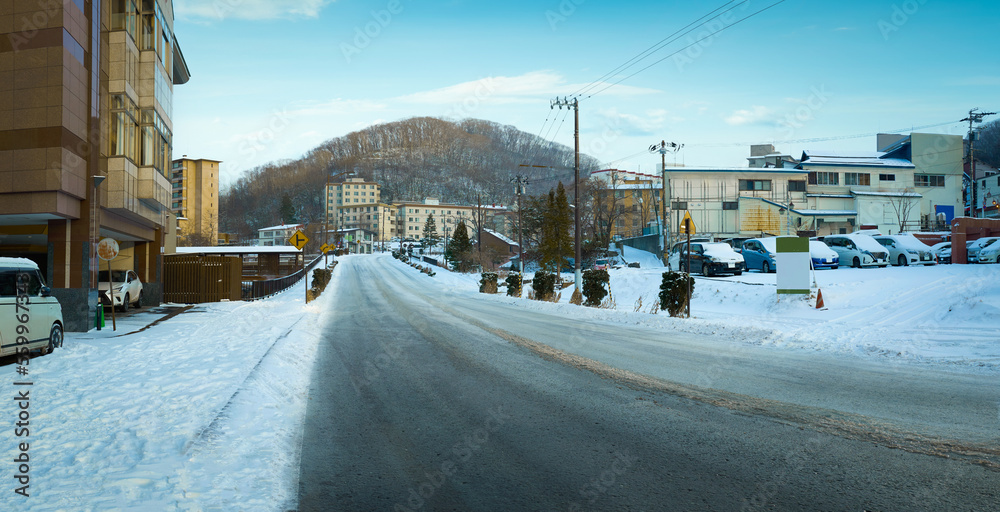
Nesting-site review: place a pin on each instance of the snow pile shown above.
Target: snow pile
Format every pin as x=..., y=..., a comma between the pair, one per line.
x=200, y=412
x=644, y=258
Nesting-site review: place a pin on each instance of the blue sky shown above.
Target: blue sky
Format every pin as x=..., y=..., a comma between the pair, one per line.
x=271, y=79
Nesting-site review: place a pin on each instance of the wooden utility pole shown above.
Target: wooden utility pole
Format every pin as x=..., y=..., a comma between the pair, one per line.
x=520, y=182
x=574, y=104
x=665, y=184
x=974, y=117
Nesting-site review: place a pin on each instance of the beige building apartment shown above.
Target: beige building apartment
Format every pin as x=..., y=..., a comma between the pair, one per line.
x=411, y=217
x=85, y=139
x=194, y=200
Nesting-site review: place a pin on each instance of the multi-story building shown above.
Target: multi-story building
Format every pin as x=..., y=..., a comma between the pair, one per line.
x=85, y=139
x=356, y=203
x=412, y=216
x=194, y=200
x=274, y=236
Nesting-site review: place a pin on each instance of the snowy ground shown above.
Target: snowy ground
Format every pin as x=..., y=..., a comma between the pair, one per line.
x=204, y=410
x=200, y=412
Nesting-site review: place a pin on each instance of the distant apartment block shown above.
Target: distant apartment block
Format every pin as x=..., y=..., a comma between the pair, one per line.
x=277, y=235
x=86, y=99
x=194, y=199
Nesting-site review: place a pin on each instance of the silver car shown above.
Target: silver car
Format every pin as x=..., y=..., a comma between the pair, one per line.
x=906, y=249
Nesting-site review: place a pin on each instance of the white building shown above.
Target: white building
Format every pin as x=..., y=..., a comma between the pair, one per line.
x=277, y=235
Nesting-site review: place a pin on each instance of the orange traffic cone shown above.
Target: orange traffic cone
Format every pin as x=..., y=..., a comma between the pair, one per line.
x=819, y=298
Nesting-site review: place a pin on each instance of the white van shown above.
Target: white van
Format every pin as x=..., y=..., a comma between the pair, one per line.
x=858, y=250
x=29, y=315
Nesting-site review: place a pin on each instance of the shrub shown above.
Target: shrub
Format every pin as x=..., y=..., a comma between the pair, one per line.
x=594, y=282
x=674, y=292
x=544, y=285
x=488, y=282
x=513, y=284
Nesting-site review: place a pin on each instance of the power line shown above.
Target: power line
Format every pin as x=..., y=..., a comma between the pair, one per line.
x=713, y=34
x=656, y=47
x=818, y=139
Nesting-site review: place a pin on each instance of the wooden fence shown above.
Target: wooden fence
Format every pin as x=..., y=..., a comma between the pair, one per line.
x=193, y=279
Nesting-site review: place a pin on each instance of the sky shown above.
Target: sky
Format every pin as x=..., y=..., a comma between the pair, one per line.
x=273, y=79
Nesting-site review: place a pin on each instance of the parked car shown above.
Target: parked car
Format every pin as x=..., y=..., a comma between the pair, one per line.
x=126, y=286
x=673, y=259
x=601, y=264
x=942, y=251
x=712, y=258
x=986, y=252
x=905, y=249
x=737, y=244
x=36, y=321
x=822, y=255
x=977, y=246
x=858, y=250
x=759, y=253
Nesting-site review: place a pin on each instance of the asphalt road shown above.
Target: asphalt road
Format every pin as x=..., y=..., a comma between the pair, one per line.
x=428, y=400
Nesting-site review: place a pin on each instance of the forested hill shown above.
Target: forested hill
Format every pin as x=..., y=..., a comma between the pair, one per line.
x=411, y=159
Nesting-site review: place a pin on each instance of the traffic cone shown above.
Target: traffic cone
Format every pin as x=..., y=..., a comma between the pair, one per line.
x=819, y=298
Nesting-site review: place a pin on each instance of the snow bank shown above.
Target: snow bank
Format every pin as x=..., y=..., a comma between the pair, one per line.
x=201, y=412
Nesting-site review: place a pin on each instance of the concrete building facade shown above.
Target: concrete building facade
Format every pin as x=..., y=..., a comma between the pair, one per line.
x=85, y=139
x=194, y=200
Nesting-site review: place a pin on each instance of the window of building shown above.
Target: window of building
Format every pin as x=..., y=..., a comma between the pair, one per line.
x=755, y=184
x=857, y=178
x=796, y=186
x=824, y=178
x=887, y=177
x=928, y=180
x=679, y=205
x=730, y=205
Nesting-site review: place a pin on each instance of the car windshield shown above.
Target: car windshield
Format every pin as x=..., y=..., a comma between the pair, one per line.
x=770, y=244
x=118, y=276
x=867, y=243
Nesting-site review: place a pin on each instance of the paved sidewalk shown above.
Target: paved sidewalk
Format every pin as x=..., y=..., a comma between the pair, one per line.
x=135, y=320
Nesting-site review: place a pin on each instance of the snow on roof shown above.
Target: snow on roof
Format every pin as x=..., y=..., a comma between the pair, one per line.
x=633, y=186
x=885, y=194
x=238, y=249
x=826, y=213
x=283, y=226
x=832, y=196
x=867, y=158
x=502, y=238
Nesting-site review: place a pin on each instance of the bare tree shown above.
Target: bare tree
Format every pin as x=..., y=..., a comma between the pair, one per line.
x=903, y=205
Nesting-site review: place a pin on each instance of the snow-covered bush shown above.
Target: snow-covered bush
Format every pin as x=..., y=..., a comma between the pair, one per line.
x=544, y=285
x=513, y=284
x=674, y=292
x=488, y=282
x=594, y=282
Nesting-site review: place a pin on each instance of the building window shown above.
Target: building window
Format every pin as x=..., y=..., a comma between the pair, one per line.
x=730, y=205
x=928, y=180
x=824, y=178
x=887, y=177
x=679, y=205
x=857, y=178
x=796, y=186
x=755, y=185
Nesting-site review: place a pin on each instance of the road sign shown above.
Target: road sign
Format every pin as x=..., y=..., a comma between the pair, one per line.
x=107, y=249
x=299, y=240
x=687, y=224
x=324, y=248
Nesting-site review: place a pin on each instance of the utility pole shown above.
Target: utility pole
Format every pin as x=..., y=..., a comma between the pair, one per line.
x=664, y=230
x=574, y=104
x=977, y=118
x=520, y=182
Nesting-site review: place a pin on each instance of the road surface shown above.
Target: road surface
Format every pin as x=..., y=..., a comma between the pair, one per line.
x=425, y=398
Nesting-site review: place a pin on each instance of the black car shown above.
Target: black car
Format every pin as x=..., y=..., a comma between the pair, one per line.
x=711, y=258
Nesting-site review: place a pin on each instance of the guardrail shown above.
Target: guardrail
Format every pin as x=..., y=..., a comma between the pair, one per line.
x=254, y=290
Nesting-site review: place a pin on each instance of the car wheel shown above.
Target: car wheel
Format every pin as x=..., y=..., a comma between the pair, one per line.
x=706, y=270
x=835, y=267
x=124, y=306
x=138, y=301
x=857, y=262
x=903, y=261
x=55, y=339
x=765, y=268
x=738, y=273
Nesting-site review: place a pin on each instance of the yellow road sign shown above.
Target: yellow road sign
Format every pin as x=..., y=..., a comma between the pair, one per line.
x=687, y=224
x=324, y=248
x=299, y=240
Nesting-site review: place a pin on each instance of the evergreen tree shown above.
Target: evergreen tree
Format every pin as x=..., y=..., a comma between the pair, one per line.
x=287, y=210
x=556, y=244
x=459, y=250
x=430, y=236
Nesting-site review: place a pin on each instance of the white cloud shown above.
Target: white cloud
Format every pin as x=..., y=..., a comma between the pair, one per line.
x=338, y=106
x=247, y=9
x=649, y=123
x=755, y=115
